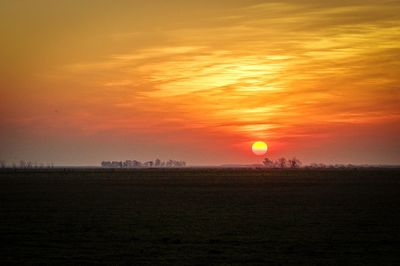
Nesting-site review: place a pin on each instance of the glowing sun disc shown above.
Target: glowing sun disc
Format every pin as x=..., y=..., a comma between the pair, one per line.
x=259, y=148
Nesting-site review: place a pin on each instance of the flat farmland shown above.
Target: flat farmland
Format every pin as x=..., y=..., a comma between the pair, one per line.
x=200, y=217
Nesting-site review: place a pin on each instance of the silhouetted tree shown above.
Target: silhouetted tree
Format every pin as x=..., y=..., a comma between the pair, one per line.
x=180, y=163
x=3, y=164
x=116, y=164
x=282, y=162
x=294, y=163
x=106, y=164
x=148, y=164
x=22, y=164
x=268, y=162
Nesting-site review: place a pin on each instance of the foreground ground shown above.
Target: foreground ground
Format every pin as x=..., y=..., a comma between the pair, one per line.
x=200, y=217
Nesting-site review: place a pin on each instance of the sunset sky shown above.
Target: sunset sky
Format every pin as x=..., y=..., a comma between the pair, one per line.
x=86, y=81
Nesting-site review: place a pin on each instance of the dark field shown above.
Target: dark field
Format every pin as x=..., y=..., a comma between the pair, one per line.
x=200, y=217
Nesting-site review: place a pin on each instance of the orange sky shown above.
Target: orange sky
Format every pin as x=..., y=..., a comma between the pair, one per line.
x=85, y=81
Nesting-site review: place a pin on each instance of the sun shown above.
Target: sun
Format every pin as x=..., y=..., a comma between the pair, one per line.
x=259, y=148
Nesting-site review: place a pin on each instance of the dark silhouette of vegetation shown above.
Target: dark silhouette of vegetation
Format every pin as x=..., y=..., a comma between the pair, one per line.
x=335, y=166
x=282, y=163
x=295, y=163
x=137, y=164
x=25, y=165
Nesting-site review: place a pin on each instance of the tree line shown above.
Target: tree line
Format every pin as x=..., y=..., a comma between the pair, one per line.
x=138, y=164
x=282, y=163
x=296, y=163
x=25, y=164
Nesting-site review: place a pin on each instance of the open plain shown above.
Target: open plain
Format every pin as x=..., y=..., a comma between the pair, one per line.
x=200, y=216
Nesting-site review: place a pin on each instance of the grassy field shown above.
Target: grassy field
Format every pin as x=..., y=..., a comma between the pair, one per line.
x=200, y=217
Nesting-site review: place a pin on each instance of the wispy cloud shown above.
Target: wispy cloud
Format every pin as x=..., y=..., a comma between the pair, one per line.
x=288, y=63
